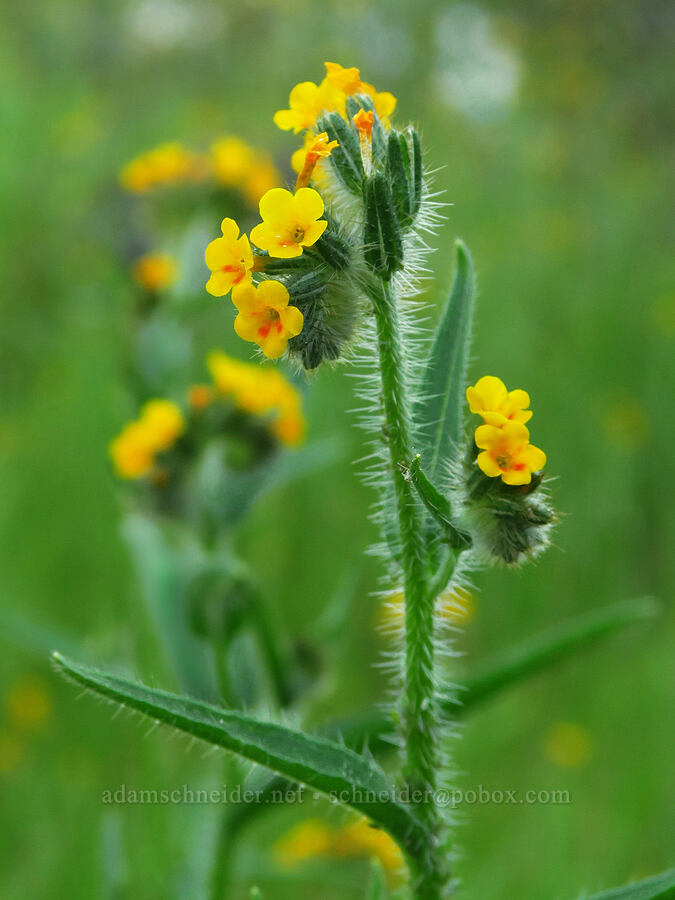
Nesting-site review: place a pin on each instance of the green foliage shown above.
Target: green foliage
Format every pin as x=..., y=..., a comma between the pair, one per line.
x=660, y=887
x=377, y=888
x=327, y=767
x=439, y=411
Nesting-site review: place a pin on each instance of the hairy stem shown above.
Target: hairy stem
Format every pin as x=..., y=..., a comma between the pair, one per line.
x=419, y=715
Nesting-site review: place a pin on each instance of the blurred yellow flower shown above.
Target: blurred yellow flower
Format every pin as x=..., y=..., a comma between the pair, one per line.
x=290, y=222
x=306, y=840
x=233, y=159
x=155, y=271
x=265, y=318
x=363, y=839
x=568, y=745
x=163, y=421
x=349, y=82
x=230, y=260
x=260, y=391
x=507, y=452
x=28, y=704
x=132, y=452
x=490, y=399
x=169, y=163
x=313, y=839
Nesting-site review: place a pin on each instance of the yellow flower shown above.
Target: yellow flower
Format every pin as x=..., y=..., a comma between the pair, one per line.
x=28, y=704
x=568, y=745
x=290, y=425
x=265, y=318
x=364, y=123
x=349, y=82
x=230, y=260
x=507, y=452
x=307, y=102
x=167, y=164
x=363, y=839
x=232, y=160
x=318, y=148
x=290, y=222
x=306, y=840
x=346, y=80
x=155, y=271
x=163, y=422
x=490, y=399
x=132, y=451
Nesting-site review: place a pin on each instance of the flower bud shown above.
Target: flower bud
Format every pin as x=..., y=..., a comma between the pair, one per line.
x=382, y=234
x=346, y=157
x=330, y=314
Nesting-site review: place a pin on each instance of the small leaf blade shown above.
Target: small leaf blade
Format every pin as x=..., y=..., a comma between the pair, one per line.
x=659, y=887
x=323, y=765
x=439, y=411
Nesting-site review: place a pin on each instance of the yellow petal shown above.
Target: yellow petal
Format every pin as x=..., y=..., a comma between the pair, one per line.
x=493, y=418
x=274, y=345
x=247, y=327
x=513, y=476
x=492, y=392
x=286, y=119
x=245, y=298
x=385, y=104
x=487, y=464
x=522, y=415
x=307, y=205
x=535, y=458
x=276, y=205
x=314, y=232
x=519, y=399
x=486, y=436
x=292, y=320
x=244, y=249
x=230, y=229
x=217, y=253
x=219, y=283
x=515, y=433
x=274, y=294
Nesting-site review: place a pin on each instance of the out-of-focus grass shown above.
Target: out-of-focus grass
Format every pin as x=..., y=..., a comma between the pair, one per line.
x=560, y=192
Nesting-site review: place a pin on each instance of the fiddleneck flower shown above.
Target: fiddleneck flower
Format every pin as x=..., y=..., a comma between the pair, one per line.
x=290, y=222
x=230, y=260
x=507, y=452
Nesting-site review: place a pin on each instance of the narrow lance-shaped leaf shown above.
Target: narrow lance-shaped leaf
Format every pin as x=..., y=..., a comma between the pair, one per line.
x=438, y=413
x=659, y=887
x=437, y=505
x=516, y=664
x=325, y=766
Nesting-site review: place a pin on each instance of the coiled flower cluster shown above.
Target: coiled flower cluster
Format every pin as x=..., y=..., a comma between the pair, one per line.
x=301, y=281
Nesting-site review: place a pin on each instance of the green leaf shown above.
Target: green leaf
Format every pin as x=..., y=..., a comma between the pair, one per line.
x=660, y=886
x=438, y=413
x=438, y=507
x=377, y=889
x=552, y=646
x=325, y=766
x=165, y=566
x=505, y=669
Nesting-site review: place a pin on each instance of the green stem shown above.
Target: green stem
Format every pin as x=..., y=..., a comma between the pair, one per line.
x=419, y=715
x=278, y=667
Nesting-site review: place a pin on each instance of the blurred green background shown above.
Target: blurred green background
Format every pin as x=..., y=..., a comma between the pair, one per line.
x=548, y=124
